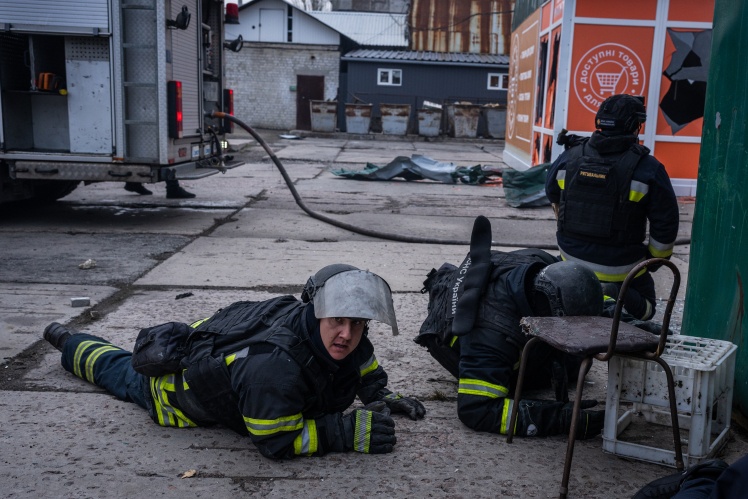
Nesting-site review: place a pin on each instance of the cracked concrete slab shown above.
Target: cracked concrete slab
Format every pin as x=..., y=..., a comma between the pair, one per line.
x=107, y=448
x=26, y=309
x=216, y=262
x=72, y=218
x=259, y=223
x=41, y=257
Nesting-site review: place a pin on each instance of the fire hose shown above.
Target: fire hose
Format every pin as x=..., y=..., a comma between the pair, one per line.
x=356, y=229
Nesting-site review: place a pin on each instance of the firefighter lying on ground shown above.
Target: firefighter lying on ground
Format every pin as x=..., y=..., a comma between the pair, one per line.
x=281, y=371
x=603, y=190
x=473, y=330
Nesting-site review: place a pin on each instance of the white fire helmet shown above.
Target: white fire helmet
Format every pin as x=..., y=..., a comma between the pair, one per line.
x=342, y=290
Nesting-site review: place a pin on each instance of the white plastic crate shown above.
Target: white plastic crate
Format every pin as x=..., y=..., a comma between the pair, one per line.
x=703, y=371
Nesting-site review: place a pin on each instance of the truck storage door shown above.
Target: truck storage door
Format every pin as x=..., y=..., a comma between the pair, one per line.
x=85, y=17
x=90, y=97
x=186, y=57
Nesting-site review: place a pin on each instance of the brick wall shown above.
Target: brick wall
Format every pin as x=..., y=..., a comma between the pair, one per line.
x=262, y=75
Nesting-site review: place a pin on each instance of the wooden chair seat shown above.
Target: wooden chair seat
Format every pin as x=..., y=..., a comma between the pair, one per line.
x=585, y=335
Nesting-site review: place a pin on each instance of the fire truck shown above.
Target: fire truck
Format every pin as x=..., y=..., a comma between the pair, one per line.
x=111, y=91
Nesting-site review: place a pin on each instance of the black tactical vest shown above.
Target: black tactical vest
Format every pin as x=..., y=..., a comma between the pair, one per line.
x=253, y=324
x=445, y=288
x=595, y=204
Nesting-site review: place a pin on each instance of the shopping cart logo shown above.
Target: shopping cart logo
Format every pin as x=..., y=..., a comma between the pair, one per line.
x=608, y=82
x=608, y=69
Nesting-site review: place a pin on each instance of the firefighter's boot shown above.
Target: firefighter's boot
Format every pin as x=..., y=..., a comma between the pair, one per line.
x=137, y=188
x=175, y=191
x=57, y=334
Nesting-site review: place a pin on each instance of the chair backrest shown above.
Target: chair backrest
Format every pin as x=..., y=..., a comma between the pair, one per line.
x=668, y=308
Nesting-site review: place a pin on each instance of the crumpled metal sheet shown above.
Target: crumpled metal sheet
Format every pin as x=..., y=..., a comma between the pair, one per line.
x=419, y=167
x=526, y=188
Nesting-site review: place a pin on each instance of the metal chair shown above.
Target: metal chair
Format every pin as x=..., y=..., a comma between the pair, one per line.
x=601, y=338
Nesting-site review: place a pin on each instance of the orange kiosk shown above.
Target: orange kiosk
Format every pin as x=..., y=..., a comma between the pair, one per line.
x=570, y=55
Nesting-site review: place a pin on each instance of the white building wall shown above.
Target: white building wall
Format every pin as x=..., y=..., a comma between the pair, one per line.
x=262, y=76
x=305, y=28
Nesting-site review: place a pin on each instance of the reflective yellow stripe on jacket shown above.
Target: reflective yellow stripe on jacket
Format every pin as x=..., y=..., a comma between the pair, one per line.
x=606, y=273
x=259, y=427
x=561, y=179
x=637, y=191
x=481, y=388
x=306, y=443
x=167, y=414
x=369, y=366
x=197, y=323
x=660, y=250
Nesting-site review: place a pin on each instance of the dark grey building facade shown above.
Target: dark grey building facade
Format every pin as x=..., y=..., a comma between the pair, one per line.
x=397, y=6
x=407, y=77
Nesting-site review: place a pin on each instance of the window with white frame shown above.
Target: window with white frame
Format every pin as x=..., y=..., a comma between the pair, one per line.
x=392, y=77
x=498, y=81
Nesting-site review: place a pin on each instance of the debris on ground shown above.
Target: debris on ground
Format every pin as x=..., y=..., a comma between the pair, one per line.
x=188, y=474
x=80, y=301
x=88, y=264
x=526, y=189
x=419, y=167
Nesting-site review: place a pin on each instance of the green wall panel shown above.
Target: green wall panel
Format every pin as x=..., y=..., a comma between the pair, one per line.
x=718, y=264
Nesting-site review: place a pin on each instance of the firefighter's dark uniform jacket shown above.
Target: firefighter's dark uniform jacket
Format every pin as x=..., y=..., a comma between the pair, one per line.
x=648, y=196
x=489, y=354
x=285, y=408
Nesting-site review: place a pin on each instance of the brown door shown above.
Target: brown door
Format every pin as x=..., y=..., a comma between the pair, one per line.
x=307, y=88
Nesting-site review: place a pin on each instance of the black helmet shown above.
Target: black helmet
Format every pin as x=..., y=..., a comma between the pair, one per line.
x=566, y=288
x=621, y=113
x=318, y=280
x=341, y=290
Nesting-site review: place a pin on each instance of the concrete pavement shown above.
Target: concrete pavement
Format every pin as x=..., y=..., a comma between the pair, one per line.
x=244, y=238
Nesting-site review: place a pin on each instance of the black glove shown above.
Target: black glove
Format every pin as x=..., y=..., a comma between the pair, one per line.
x=653, y=267
x=370, y=430
x=406, y=405
x=379, y=406
x=649, y=326
x=541, y=418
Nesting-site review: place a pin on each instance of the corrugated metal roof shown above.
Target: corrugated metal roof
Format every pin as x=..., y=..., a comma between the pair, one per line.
x=421, y=57
x=367, y=28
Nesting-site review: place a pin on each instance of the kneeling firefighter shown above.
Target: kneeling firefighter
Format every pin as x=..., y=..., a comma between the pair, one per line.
x=473, y=330
x=281, y=371
x=614, y=203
